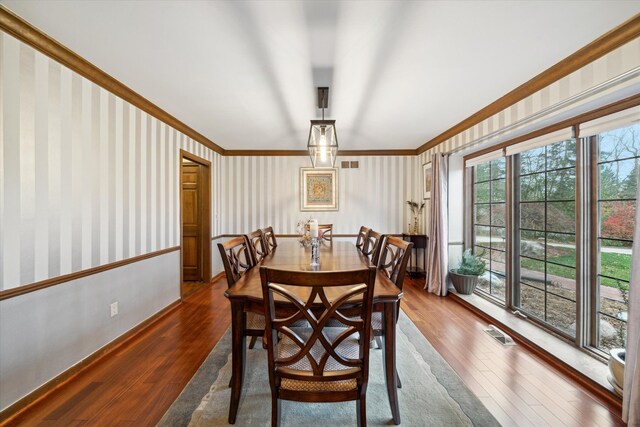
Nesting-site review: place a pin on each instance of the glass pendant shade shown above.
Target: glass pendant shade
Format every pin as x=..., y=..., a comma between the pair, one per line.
x=323, y=143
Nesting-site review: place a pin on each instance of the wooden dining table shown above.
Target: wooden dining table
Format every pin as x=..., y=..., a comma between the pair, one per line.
x=246, y=296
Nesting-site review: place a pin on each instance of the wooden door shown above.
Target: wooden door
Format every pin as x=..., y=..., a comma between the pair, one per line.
x=192, y=217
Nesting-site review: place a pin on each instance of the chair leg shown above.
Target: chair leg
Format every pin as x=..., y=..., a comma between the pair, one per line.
x=252, y=342
x=398, y=377
x=378, y=342
x=275, y=411
x=361, y=408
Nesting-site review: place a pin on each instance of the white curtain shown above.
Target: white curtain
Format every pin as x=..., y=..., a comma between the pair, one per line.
x=631, y=399
x=437, y=253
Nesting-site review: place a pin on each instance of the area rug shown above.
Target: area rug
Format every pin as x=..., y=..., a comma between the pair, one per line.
x=431, y=394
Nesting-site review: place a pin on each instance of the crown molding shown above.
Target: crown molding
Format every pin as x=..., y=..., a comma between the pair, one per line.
x=604, y=44
x=305, y=153
x=25, y=32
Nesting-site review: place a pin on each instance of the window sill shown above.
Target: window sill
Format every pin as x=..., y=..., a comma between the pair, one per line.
x=578, y=364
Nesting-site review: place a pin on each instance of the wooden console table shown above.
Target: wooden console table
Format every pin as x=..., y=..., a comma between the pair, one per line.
x=420, y=241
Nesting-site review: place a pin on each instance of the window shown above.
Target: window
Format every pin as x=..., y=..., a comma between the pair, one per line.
x=546, y=232
x=489, y=225
x=554, y=220
x=618, y=154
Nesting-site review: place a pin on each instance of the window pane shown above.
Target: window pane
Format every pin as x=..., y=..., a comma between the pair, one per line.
x=482, y=172
x=561, y=185
x=561, y=281
x=561, y=154
x=498, y=214
x=561, y=249
x=617, y=219
x=498, y=190
x=532, y=216
x=483, y=236
x=532, y=187
x=481, y=192
x=532, y=300
x=532, y=272
x=482, y=214
x=618, y=180
x=532, y=161
x=498, y=239
x=532, y=244
x=561, y=314
x=561, y=216
x=620, y=143
x=498, y=168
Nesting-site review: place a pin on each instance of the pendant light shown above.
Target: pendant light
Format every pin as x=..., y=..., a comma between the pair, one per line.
x=323, y=141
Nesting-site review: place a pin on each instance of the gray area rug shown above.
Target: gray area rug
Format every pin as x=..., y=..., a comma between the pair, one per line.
x=432, y=393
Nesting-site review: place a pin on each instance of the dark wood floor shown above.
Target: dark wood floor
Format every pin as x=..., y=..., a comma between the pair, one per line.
x=136, y=384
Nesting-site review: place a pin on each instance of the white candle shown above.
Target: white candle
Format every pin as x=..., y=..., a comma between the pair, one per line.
x=313, y=227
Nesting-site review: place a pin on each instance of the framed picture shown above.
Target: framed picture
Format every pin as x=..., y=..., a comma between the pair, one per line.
x=426, y=181
x=318, y=189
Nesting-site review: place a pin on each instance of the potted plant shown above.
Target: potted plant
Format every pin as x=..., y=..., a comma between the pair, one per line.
x=465, y=277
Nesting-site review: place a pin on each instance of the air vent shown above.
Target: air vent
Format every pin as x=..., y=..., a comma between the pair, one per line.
x=355, y=165
x=499, y=335
x=345, y=165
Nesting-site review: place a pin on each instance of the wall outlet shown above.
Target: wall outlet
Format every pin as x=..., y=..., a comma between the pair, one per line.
x=114, y=308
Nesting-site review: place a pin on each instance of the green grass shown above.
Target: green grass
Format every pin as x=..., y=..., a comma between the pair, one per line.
x=614, y=265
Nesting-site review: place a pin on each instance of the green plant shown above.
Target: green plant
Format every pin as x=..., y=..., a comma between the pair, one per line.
x=471, y=265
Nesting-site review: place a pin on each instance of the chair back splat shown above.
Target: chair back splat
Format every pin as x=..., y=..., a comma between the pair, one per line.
x=318, y=363
x=257, y=245
x=363, y=235
x=371, y=246
x=236, y=258
x=269, y=238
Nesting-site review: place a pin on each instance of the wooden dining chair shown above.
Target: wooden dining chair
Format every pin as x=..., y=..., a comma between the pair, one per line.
x=237, y=259
x=363, y=235
x=269, y=239
x=325, y=232
x=393, y=259
x=257, y=246
x=319, y=363
x=371, y=246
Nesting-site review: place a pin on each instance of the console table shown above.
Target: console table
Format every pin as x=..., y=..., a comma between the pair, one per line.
x=420, y=241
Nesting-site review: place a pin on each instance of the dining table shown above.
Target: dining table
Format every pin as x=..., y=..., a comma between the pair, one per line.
x=246, y=296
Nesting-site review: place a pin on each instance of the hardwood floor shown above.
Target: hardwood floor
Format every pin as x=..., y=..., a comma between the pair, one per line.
x=136, y=384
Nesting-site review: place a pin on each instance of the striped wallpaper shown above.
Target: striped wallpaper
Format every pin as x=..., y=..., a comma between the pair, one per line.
x=611, y=66
x=86, y=178
x=260, y=191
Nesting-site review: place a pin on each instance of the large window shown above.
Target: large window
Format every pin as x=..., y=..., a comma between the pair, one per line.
x=618, y=153
x=554, y=219
x=489, y=225
x=546, y=287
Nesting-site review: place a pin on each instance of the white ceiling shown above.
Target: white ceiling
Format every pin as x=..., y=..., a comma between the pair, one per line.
x=400, y=73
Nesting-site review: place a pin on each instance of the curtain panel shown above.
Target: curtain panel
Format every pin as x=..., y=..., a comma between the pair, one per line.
x=436, y=281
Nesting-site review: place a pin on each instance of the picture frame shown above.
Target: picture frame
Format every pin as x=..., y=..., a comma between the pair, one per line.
x=426, y=180
x=318, y=189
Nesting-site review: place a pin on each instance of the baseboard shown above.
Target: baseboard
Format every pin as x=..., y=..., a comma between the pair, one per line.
x=217, y=276
x=52, y=385
x=591, y=385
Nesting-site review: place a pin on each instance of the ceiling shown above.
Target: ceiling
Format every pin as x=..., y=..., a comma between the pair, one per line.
x=244, y=73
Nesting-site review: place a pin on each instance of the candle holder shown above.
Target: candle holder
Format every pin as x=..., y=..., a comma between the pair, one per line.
x=315, y=251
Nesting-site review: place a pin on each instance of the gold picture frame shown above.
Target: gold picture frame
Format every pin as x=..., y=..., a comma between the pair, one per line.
x=426, y=180
x=318, y=189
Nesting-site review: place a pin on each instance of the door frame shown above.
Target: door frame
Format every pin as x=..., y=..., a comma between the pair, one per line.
x=206, y=220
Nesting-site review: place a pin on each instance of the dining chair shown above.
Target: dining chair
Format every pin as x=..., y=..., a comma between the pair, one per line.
x=269, y=239
x=363, y=235
x=371, y=247
x=319, y=363
x=394, y=256
x=257, y=246
x=237, y=259
x=325, y=232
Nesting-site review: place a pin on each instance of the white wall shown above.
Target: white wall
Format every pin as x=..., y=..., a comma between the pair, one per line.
x=44, y=333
